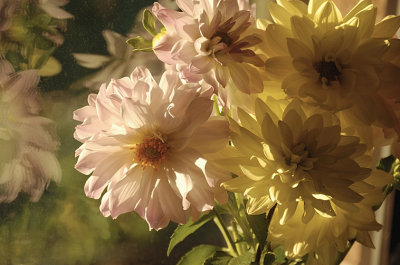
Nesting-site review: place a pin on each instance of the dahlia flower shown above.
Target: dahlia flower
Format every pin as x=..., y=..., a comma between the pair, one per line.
x=296, y=158
x=327, y=59
x=28, y=145
x=321, y=238
x=146, y=144
x=292, y=154
x=211, y=40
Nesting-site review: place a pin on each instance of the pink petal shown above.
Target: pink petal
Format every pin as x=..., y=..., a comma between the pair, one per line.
x=162, y=48
x=125, y=194
x=183, y=51
x=106, y=169
x=166, y=16
x=201, y=64
x=134, y=114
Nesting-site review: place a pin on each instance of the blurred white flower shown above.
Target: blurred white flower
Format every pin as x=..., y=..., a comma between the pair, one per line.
x=52, y=7
x=6, y=11
x=28, y=145
x=121, y=61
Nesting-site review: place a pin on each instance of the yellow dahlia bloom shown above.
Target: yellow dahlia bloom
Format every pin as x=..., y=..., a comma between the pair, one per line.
x=299, y=160
x=326, y=58
x=321, y=238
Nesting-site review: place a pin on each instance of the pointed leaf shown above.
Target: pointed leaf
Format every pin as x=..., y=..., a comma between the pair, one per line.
x=220, y=258
x=280, y=256
x=149, y=22
x=198, y=255
x=140, y=44
x=259, y=224
x=244, y=259
x=182, y=231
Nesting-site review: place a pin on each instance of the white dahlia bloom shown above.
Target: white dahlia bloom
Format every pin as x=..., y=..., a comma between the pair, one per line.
x=145, y=143
x=211, y=40
x=28, y=144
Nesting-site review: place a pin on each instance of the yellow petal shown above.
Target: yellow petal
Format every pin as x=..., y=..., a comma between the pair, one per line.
x=255, y=173
x=239, y=77
x=239, y=184
x=327, y=16
x=279, y=14
x=248, y=143
x=276, y=43
x=277, y=68
x=367, y=21
x=323, y=208
x=303, y=29
x=259, y=205
x=248, y=122
x=296, y=8
x=298, y=49
x=387, y=27
x=270, y=130
x=365, y=239
x=295, y=122
x=313, y=6
x=261, y=110
x=357, y=8
x=262, y=23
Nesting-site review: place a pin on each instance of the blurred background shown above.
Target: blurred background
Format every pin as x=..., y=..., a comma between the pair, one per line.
x=65, y=227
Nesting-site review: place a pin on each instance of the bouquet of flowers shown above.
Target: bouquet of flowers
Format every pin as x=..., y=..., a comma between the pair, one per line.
x=271, y=128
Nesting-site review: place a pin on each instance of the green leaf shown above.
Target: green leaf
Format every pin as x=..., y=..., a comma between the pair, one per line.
x=269, y=258
x=244, y=259
x=385, y=164
x=42, y=43
x=149, y=22
x=182, y=231
x=140, y=44
x=280, y=256
x=220, y=258
x=259, y=224
x=198, y=255
x=16, y=59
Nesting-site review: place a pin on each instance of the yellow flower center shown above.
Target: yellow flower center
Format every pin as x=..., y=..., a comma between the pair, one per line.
x=151, y=152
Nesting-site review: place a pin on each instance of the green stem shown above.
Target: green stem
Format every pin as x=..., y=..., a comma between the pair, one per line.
x=242, y=221
x=236, y=236
x=225, y=233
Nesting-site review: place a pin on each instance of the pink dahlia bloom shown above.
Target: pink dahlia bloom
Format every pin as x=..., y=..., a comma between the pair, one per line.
x=211, y=40
x=27, y=140
x=146, y=144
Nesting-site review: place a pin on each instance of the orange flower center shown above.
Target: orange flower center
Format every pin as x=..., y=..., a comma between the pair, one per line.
x=151, y=152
